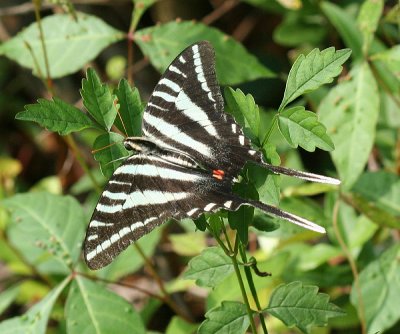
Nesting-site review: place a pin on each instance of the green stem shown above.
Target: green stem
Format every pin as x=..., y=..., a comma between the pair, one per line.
x=242, y=288
x=271, y=128
x=252, y=287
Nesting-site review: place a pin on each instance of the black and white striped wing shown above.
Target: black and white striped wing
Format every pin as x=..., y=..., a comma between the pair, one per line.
x=186, y=113
x=142, y=193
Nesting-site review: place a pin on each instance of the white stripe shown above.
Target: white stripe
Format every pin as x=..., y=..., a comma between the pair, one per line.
x=108, y=208
x=209, y=206
x=252, y=152
x=91, y=255
x=156, y=106
x=191, y=110
x=182, y=60
x=92, y=237
x=124, y=231
x=170, y=84
x=234, y=128
x=191, y=212
x=115, y=237
x=105, y=244
x=118, y=182
x=149, y=220
x=241, y=140
x=114, y=196
x=176, y=70
x=147, y=197
x=164, y=96
x=228, y=204
x=175, y=134
x=152, y=170
x=96, y=223
x=195, y=49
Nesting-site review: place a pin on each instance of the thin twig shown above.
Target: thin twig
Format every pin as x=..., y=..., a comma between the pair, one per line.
x=219, y=11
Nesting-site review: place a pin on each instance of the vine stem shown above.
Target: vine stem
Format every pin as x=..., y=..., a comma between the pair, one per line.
x=242, y=288
x=252, y=288
x=271, y=128
x=353, y=266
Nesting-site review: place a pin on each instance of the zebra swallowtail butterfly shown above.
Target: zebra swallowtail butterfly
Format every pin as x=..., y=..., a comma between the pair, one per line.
x=185, y=164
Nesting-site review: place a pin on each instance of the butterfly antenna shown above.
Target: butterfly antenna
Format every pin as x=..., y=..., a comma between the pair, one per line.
x=272, y=210
x=122, y=121
x=299, y=174
x=115, y=160
x=102, y=148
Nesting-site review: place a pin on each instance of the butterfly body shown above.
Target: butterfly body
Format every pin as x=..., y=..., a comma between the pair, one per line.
x=190, y=154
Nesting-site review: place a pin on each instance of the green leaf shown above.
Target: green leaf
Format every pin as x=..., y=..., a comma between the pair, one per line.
x=130, y=109
x=230, y=317
x=188, y=244
x=35, y=320
x=345, y=25
x=109, y=151
x=302, y=306
x=391, y=59
x=51, y=227
x=7, y=296
x=377, y=195
x=350, y=111
x=91, y=308
x=312, y=71
x=70, y=44
x=162, y=43
x=380, y=290
x=180, y=326
x=300, y=127
x=296, y=30
x=98, y=100
x=245, y=111
x=56, y=115
x=368, y=19
x=210, y=267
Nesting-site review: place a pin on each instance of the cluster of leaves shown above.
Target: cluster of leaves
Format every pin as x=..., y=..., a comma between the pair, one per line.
x=44, y=233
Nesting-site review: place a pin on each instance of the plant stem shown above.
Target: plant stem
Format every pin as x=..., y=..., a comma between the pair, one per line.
x=271, y=128
x=250, y=282
x=242, y=288
x=353, y=266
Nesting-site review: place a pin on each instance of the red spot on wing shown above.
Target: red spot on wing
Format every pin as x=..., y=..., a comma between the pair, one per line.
x=218, y=174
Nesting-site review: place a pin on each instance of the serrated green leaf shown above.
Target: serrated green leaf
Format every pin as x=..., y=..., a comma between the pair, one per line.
x=302, y=306
x=380, y=290
x=312, y=71
x=70, y=44
x=130, y=109
x=51, y=227
x=345, y=25
x=210, y=267
x=98, y=100
x=56, y=115
x=110, y=152
x=162, y=43
x=230, y=317
x=91, y=308
x=300, y=127
x=350, y=112
x=35, y=320
x=368, y=19
x=245, y=111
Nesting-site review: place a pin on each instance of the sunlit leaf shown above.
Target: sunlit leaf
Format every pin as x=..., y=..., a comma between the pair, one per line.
x=162, y=43
x=70, y=44
x=368, y=19
x=57, y=116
